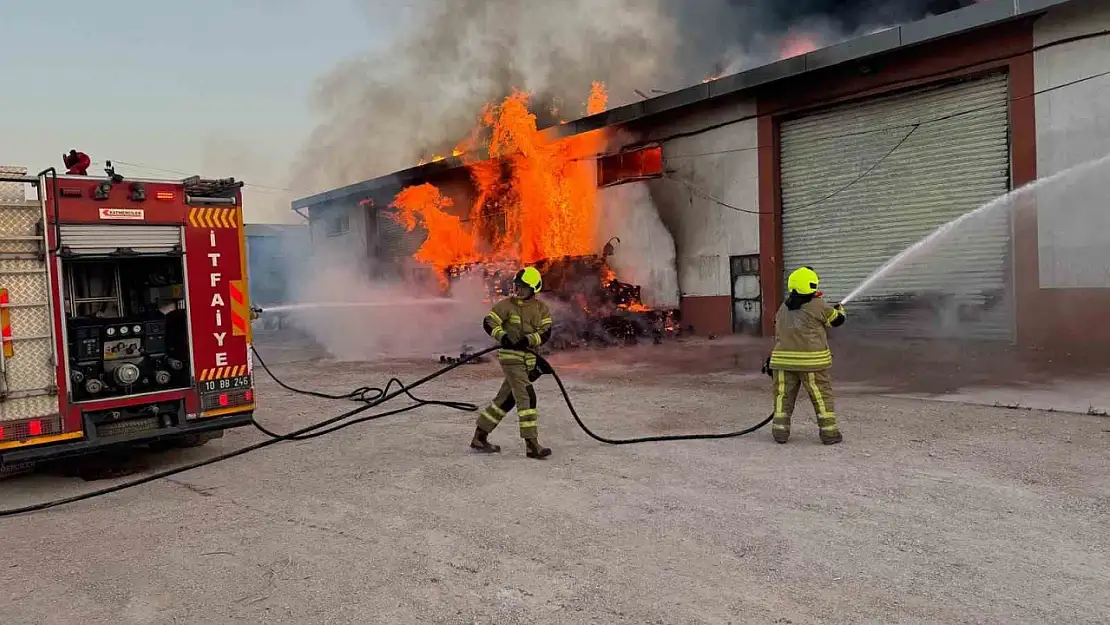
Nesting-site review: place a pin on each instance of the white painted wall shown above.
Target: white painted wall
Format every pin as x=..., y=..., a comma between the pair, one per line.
x=1073, y=127
x=722, y=164
x=352, y=242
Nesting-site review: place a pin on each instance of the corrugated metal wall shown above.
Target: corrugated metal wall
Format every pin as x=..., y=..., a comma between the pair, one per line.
x=861, y=182
x=394, y=242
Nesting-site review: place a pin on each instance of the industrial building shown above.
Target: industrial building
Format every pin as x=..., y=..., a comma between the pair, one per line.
x=843, y=157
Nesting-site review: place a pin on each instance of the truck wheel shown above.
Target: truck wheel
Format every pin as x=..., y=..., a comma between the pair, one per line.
x=196, y=440
x=187, y=441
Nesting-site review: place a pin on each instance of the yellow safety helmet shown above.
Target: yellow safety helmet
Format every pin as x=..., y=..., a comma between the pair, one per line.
x=803, y=281
x=529, y=277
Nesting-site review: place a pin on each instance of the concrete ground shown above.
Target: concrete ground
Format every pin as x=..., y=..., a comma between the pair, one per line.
x=930, y=512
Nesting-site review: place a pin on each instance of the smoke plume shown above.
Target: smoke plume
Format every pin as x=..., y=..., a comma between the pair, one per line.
x=355, y=318
x=423, y=94
x=419, y=94
x=645, y=252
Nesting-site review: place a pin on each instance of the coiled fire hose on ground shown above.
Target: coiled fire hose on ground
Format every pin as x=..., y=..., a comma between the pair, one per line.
x=370, y=397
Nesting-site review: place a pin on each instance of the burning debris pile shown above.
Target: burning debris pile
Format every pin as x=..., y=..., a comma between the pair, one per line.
x=535, y=203
x=593, y=307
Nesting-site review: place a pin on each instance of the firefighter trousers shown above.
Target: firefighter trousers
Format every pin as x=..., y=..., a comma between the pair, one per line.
x=516, y=392
x=818, y=385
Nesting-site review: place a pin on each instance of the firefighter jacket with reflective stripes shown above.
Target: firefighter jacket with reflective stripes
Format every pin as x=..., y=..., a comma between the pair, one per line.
x=519, y=319
x=801, y=334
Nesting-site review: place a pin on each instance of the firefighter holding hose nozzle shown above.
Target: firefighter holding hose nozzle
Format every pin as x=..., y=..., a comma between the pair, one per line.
x=801, y=356
x=520, y=323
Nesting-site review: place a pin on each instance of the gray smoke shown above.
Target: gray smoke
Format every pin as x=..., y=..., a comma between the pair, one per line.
x=645, y=253
x=354, y=318
x=422, y=94
x=419, y=95
x=728, y=36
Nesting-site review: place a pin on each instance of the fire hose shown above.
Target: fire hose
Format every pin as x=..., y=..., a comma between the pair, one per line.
x=370, y=397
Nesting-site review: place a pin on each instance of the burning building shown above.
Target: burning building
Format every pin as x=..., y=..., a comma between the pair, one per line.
x=533, y=201
x=838, y=157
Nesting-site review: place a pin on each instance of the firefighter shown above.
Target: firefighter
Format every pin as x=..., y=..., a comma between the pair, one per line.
x=801, y=356
x=77, y=163
x=520, y=322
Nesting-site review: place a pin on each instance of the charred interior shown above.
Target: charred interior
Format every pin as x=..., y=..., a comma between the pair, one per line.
x=126, y=325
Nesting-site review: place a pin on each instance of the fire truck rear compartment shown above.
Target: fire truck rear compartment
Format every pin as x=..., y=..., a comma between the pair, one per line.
x=126, y=327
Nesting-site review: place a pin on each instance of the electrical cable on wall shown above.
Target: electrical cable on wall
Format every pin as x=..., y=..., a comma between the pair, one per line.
x=913, y=127
x=933, y=75
x=859, y=133
x=826, y=198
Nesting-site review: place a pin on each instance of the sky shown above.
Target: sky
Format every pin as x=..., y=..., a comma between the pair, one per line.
x=215, y=87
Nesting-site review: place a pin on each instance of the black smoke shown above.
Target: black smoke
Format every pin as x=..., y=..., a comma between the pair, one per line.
x=730, y=35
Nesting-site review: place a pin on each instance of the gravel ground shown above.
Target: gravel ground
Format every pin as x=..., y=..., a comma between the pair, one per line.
x=928, y=513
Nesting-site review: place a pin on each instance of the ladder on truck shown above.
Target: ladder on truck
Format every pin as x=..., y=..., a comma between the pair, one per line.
x=28, y=384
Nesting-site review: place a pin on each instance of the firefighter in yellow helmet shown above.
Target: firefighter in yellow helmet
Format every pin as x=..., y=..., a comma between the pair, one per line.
x=801, y=356
x=519, y=322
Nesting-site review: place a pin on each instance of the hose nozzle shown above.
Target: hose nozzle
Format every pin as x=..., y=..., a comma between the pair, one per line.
x=256, y=312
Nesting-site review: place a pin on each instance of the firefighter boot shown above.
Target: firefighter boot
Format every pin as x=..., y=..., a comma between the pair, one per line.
x=535, y=450
x=480, y=443
x=830, y=431
x=780, y=429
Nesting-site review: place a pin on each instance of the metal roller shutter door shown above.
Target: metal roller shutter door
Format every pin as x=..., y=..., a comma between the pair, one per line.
x=100, y=239
x=394, y=242
x=858, y=187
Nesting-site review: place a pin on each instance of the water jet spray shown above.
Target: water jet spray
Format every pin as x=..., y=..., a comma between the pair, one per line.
x=948, y=227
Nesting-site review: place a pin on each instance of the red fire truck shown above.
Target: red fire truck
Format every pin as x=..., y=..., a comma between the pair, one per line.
x=123, y=313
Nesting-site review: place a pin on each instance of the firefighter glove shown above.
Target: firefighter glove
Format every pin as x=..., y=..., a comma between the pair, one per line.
x=541, y=369
x=766, y=368
x=543, y=366
x=507, y=342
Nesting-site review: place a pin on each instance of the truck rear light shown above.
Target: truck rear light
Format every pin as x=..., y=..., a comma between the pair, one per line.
x=29, y=428
x=228, y=399
x=165, y=195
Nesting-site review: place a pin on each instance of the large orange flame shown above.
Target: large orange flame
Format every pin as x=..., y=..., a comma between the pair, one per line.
x=554, y=186
x=536, y=196
x=448, y=243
